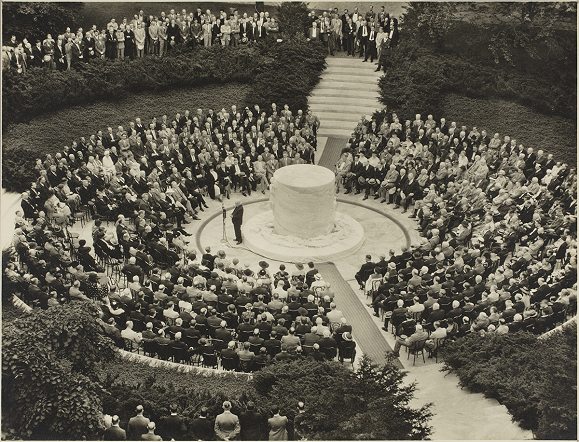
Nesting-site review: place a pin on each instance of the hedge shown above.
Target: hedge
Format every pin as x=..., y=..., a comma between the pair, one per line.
x=536, y=379
x=417, y=78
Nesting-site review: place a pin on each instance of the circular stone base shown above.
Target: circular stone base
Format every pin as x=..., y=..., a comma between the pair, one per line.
x=346, y=237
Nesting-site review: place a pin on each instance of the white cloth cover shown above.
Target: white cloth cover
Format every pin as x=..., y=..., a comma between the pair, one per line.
x=303, y=200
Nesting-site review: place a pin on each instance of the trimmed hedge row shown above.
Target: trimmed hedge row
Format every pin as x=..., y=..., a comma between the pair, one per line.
x=536, y=379
x=38, y=91
x=418, y=78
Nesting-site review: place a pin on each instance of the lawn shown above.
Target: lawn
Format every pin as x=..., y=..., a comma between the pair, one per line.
x=49, y=133
x=553, y=134
x=100, y=13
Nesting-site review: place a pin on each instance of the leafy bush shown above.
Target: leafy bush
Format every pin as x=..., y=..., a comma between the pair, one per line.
x=536, y=379
x=370, y=403
x=37, y=91
x=49, y=359
x=418, y=78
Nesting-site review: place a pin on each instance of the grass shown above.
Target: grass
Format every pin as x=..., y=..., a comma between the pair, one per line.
x=49, y=133
x=553, y=134
x=100, y=13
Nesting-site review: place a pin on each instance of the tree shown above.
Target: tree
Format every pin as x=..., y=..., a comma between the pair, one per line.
x=34, y=20
x=532, y=28
x=370, y=403
x=49, y=364
x=428, y=22
x=293, y=19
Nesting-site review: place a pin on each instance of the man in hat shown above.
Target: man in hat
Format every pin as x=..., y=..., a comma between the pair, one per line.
x=227, y=424
x=346, y=347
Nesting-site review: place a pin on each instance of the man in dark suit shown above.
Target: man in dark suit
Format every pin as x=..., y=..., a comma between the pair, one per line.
x=201, y=428
x=362, y=36
x=365, y=271
x=172, y=426
x=115, y=432
x=137, y=425
x=252, y=424
x=237, y=220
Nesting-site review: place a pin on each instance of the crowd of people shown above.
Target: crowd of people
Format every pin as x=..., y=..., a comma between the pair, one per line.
x=163, y=297
x=137, y=37
x=248, y=425
x=498, y=220
x=369, y=35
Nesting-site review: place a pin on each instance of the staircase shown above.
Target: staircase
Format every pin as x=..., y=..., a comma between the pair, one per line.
x=347, y=90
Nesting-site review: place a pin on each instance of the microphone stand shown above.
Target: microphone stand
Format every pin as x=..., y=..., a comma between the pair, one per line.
x=224, y=212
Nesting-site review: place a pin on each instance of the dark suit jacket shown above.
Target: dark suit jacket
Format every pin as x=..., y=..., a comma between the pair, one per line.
x=201, y=428
x=252, y=426
x=172, y=427
x=237, y=215
x=115, y=433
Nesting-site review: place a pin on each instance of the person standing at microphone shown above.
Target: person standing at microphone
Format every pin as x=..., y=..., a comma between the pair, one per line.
x=237, y=220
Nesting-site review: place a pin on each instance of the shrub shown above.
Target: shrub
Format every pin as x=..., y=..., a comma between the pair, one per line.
x=370, y=403
x=37, y=91
x=49, y=359
x=417, y=79
x=536, y=379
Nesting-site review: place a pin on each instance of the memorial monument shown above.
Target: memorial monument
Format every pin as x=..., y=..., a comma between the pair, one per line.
x=303, y=201
x=302, y=222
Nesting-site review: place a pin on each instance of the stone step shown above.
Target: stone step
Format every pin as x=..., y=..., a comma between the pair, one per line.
x=355, y=93
x=338, y=124
x=351, y=85
x=354, y=70
x=334, y=132
x=344, y=101
x=340, y=107
x=349, y=78
x=341, y=116
x=346, y=61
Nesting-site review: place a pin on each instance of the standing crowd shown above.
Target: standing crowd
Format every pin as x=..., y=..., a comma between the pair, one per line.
x=369, y=35
x=137, y=37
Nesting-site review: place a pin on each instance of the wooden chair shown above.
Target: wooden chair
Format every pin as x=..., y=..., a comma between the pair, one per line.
x=230, y=364
x=415, y=349
x=437, y=343
x=346, y=352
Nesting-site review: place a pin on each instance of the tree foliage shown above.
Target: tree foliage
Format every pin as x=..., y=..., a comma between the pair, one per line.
x=293, y=19
x=35, y=19
x=536, y=379
x=371, y=403
x=49, y=360
x=520, y=51
x=428, y=22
